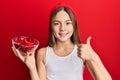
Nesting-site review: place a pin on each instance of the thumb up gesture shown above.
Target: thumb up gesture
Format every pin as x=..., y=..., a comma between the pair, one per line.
x=85, y=51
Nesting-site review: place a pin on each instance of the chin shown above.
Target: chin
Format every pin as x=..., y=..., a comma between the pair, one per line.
x=64, y=40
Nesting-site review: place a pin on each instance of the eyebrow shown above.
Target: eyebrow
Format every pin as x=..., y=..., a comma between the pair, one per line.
x=60, y=21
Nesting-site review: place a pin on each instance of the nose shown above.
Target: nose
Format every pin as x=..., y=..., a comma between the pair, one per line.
x=62, y=27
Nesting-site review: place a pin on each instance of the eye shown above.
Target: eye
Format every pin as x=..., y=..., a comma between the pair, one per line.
x=68, y=23
x=56, y=23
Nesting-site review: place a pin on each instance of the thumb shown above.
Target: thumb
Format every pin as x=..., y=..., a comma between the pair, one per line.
x=88, y=40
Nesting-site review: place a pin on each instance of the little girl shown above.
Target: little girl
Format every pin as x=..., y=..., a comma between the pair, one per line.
x=65, y=56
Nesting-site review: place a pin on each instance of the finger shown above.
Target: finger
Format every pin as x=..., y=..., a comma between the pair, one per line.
x=30, y=53
x=78, y=50
x=14, y=51
x=88, y=40
x=79, y=45
x=33, y=53
x=19, y=55
x=80, y=55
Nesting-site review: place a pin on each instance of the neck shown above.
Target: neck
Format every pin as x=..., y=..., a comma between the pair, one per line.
x=67, y=44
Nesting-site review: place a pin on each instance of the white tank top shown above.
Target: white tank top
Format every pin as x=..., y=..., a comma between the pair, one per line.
x=69, y=67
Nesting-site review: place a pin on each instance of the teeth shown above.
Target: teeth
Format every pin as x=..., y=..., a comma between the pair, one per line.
x=62, y=35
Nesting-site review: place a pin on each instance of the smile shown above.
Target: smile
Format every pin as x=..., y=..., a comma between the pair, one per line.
x=63, y=34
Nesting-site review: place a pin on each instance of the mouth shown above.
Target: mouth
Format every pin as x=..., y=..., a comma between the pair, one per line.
x=63, y=34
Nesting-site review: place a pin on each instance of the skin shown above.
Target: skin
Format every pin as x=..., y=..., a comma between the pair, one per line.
x=63, y=30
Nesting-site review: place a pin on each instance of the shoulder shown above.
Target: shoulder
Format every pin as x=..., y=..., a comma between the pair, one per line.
x=41, y=53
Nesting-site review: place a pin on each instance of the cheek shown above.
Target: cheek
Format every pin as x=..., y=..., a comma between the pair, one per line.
x=71, y=29
x=55, y=30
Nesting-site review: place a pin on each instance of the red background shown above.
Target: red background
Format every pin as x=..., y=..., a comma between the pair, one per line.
x=98, y=18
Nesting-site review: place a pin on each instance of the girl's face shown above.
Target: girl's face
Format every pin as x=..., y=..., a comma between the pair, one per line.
x=62, y=26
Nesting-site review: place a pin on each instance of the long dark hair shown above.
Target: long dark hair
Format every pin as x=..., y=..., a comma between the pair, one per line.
x=75, y=37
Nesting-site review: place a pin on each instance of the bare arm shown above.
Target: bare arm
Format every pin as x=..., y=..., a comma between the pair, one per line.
x=34, y=74
x=41, y=63
x=97, y=69
x=93, y=61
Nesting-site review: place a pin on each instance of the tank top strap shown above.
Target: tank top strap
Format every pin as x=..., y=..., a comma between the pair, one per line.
x=48, y=53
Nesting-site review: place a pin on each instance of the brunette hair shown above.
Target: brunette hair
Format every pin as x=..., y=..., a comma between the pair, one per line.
x=75, y=36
